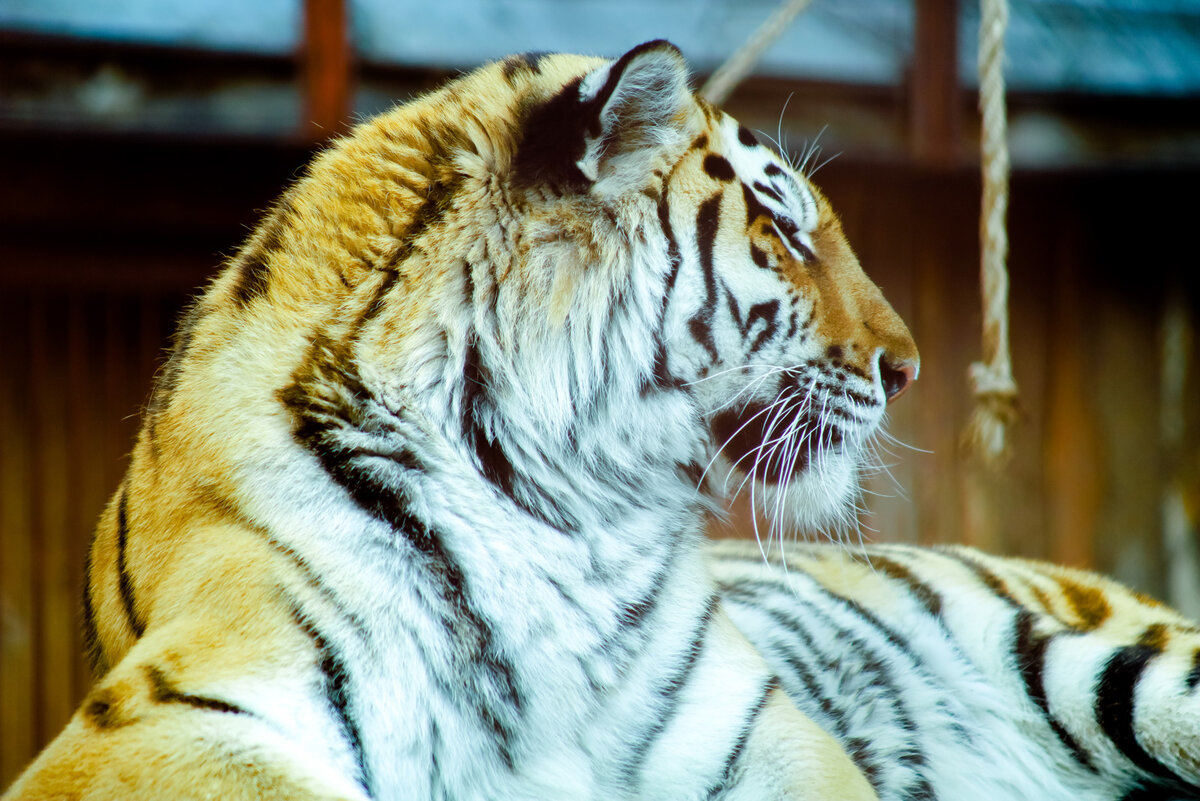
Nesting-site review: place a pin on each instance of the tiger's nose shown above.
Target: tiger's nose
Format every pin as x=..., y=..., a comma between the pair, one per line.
x=896, y=376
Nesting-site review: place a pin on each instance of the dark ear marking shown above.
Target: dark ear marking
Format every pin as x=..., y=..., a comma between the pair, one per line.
x=586, y=132
x=553, y=141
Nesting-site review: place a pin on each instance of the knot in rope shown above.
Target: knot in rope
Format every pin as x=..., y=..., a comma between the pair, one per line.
x=994, y=386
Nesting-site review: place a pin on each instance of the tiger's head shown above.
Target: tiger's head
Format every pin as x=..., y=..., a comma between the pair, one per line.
x=567, y=276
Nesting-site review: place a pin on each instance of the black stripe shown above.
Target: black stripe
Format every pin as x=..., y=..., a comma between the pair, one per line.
x=662, y=372
x=871, y=663
x=91, y=635
x=668, y=696
x=739, y=745
x=994, y=583
x=1193, y=676
x=768, y=312
x=378, y=303
x=314, y=583
x=103, y=708
x=635, y=613
x=530, y=62
x=707, y=221
x=253, y=274
x=1159, y=792
x=768, y=191
x=759, y=256
x=490, y=456
x=746, y=592
x=164, y=691
x=474, y=652
x=251, y=265
x=792, y=232
x=334, y=680
x=925, y=595
x=835, y=721
x=493, y=462
x=754, y=206
x=782, y=226
x=673, y=256
x=1029, y=650
x=124, y=580
x=1115, y=700
x=718, y=168
x=317, y=424
x=849, y=638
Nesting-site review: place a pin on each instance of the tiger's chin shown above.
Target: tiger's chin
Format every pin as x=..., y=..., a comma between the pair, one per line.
x=801, y=472
x=820, y=498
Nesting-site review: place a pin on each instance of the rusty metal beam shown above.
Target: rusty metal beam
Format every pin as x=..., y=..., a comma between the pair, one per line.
x=326, y=58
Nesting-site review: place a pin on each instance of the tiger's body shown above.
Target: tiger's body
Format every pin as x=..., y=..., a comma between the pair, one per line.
x=417, y=507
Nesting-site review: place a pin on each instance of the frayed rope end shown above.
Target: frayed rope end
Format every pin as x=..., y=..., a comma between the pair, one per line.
x=986, y=436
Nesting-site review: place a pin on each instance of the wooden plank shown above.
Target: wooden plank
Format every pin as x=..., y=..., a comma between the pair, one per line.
x=17, y=699
x=87, y=466
x=327, y=62
x=934, y=123
x=54, y=593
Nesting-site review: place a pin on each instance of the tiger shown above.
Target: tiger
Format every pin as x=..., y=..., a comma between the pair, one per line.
x=417, y=508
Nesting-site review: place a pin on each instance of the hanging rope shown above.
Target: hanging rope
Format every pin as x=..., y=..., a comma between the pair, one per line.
x=722, y=82
x=992, y=379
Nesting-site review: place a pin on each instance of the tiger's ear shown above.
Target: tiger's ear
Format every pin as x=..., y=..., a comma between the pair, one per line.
x=640, y=105
x=608, y=130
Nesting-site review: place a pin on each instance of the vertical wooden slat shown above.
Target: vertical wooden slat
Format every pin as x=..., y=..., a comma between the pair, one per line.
x=1072, y=453
x=87, y=474
x=938, y=242
x=55, y=611
x=326, y=68
x=17, y=700
x=885, y=248
x=933, y=90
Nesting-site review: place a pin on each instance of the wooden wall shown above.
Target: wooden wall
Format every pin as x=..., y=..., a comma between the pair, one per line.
x=101, y=241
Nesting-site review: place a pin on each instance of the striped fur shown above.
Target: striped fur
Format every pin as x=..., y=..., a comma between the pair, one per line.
x=416, y=509
x=949, y=674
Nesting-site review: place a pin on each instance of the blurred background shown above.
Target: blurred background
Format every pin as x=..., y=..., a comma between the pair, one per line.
x=140, y=138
